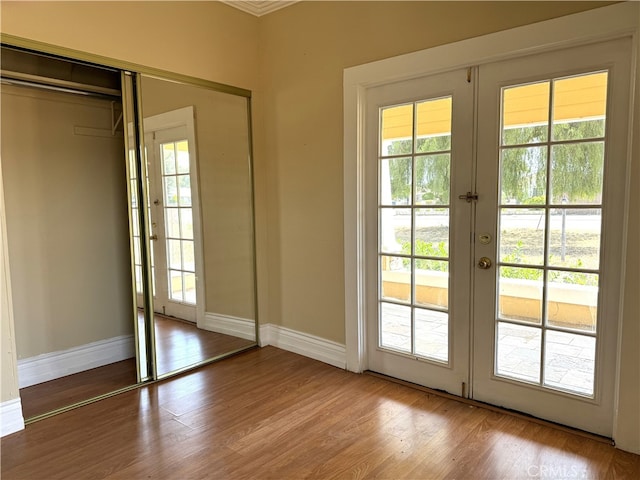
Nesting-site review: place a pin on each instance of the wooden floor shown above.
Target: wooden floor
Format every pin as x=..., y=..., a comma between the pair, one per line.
x=271, y=414
x=178, y=345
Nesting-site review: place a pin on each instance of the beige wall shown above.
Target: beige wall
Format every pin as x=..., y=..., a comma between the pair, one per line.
x=204, y=39
x=304, y=49
x=293, y=60
x=67, y=223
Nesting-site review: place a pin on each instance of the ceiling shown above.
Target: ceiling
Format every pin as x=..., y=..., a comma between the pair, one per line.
x=259, y=7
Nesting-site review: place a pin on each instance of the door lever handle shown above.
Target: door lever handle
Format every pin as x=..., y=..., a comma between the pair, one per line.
x=153, y=237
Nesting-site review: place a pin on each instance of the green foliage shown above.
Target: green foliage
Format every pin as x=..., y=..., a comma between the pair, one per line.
x=431, y=171
x=427, y=249
x=556, y=276
x=574, y=278
x=524, y=135
x=516, y=272
x=576, y=169
x=523, y=175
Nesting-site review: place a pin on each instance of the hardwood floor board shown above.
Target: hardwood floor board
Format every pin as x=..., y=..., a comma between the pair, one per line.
x=428, y=447
x=270, y=414
x=47, y=396
x=255, y=399
x=362, y=453
x=286, y=411
x=388, y=417
x=245, y=378
x=310, y=423
x=415, y=434
x=479, y=443
x=180, y=343
x=203, y=464
x=533, y=445
x=119, y=445
x=622, y=463
x=577, y=457
x=168, y=445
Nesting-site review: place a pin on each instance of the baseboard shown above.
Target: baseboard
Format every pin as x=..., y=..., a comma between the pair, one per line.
x=11, y=419
x=228, y=325
x=304, y=344
x=50, y=366
x=301, y=343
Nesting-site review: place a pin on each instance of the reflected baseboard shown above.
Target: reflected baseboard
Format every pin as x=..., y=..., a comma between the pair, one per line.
x=304, y=344
x=11, y=419
x=50, y=366
x=235, y=326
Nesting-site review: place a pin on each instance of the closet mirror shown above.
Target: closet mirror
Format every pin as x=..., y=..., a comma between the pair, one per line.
x=196, y=146
x=104, y=297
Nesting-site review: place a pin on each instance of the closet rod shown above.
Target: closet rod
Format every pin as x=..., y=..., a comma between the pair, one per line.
x=37, y=81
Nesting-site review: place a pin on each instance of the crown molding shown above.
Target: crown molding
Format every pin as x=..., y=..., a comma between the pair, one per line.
x=259, y=7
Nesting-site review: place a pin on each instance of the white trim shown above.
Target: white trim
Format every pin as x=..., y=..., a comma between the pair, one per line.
x=229, y=325
x=304, y=344
x=50, y=366
x=11, y=419
x=594, y=25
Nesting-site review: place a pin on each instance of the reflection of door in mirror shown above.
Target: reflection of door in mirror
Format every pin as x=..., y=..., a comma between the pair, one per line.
x=197, y=147
x=175, y=217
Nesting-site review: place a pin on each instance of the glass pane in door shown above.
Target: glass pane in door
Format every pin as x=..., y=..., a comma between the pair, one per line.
x=550, y=216
x=414, y=166
x=178, y=216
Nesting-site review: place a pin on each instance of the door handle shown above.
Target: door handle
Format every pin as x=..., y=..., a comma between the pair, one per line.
x=484, y=263
x=153, y=237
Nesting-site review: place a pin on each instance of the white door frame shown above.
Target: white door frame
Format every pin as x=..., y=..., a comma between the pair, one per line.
x=595, y=25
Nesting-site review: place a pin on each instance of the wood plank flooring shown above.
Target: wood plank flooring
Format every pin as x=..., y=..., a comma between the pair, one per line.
x=271, y=414
x=179, y=344
x=48, y=396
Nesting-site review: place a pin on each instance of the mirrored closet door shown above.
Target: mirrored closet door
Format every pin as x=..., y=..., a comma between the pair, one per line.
x=196, y=147
x=129, y=209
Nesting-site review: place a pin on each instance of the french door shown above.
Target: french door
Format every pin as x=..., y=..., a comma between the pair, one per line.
x=496, y=237
x=422, y=332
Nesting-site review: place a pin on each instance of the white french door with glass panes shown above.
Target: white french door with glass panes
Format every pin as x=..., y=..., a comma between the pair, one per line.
x=496, y=238
x=420, y=249
x=552, y=138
